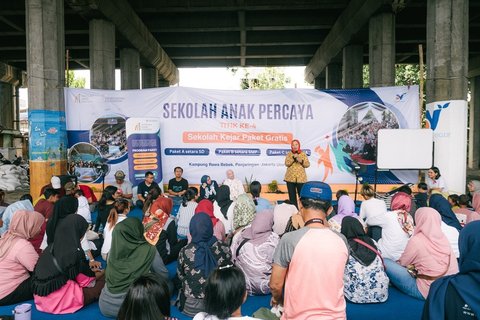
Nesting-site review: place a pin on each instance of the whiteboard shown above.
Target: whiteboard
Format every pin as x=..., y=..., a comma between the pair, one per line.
x=405, y=149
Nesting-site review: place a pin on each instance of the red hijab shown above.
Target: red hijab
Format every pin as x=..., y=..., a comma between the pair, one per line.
x=299, y=149
x=206, y=206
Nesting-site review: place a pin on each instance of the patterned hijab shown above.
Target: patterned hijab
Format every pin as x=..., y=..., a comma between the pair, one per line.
x=24, y=225
x=244, y=211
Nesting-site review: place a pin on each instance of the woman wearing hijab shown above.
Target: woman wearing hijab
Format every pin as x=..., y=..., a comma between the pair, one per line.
x=346, y=208
x=206, y=206
x=365, y=280
x=296, y=161
x=196, y=261
x=401, y=204
x=252, y=251
x=428, y=252
x=223, y=207
x=130, y=257
x=168, y=245
x=243, y=212
x=450, y=224
x=474, y=188
x=62, y=280
x=456, y=296
x=18, y=257
x=208, y=188
x=66, y=206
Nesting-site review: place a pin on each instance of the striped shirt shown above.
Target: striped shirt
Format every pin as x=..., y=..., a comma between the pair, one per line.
x=184, y=216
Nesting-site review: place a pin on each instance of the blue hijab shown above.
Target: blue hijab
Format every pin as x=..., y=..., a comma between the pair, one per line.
x=439, y=203
x=201, y=230
x=466, y=281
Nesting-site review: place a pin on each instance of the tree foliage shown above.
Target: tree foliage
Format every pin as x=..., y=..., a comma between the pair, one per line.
x=73, y=82
x=269, y=78
x=405, y=75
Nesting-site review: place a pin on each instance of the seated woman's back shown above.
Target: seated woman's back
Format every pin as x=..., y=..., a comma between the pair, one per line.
x=130, y=257
x=18, y=257
x=252, y=251
x=196, y=261
x=346, y=208
x=365, y=280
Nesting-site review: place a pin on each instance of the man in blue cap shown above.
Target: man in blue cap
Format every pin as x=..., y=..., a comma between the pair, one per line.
x=309, y=263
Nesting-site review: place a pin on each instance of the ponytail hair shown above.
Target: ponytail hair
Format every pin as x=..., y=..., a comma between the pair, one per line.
x=189, y=195
x=120, y=207
x=107, y=194
x=153, y=195
x=255, y=190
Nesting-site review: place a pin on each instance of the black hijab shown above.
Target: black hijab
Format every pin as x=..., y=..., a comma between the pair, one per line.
x=65, y=206
x=353, y=229
x=62, y=260
x=223, y=199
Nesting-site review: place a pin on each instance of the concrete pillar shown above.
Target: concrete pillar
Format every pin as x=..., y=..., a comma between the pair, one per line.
x=129, y=69
x=446, y=87
x=149, y=77
x=46, y=79
x=333, y=75
x=320, y=81
x=6, y=106
x=16, y=99
x=381, y=49
x=353, y=66
x=162, y=82
x=102, y=54
x=474, y=133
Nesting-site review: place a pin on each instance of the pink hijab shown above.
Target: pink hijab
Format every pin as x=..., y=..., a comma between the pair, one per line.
x=24, y=225
x=346, y=208
x=428, y=230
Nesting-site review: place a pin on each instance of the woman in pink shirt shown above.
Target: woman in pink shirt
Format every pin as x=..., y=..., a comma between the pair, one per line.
x=429, y=251
x=62, y=280
x=18, y=257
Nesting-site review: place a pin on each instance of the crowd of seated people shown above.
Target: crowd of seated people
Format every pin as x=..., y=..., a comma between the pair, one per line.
x=228, y=249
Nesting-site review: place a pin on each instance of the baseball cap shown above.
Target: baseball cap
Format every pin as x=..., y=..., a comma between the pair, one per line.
x=316, y=190
x=120, y=175
x=55, y=181
x=69, y=186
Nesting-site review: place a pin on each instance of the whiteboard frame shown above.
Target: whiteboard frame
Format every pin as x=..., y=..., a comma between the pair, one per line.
x=400, y=139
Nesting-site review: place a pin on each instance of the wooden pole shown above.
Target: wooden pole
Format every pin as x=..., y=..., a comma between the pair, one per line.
x=421, y=76
x=67, y=58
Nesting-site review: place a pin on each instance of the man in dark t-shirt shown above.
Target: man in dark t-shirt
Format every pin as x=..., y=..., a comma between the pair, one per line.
x=177, y=186
x=144, y=188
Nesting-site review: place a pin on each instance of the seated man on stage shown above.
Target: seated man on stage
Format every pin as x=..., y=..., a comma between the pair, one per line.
x=177, y=186
x=144, y=188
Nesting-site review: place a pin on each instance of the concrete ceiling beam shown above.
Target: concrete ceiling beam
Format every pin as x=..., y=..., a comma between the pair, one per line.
x=357, y=14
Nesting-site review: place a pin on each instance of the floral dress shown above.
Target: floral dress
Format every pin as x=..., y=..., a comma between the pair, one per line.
x=365, y=284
